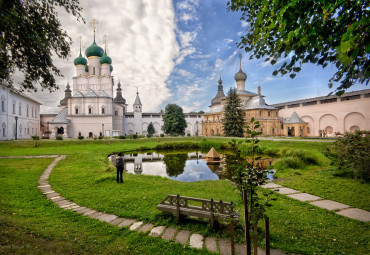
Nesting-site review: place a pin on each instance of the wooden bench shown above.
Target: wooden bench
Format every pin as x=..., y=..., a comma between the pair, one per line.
x=209, y=209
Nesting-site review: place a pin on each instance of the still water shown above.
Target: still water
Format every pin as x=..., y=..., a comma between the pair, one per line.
x=185, y=167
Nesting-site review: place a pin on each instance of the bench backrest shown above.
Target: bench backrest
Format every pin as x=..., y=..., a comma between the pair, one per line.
x=207, y=205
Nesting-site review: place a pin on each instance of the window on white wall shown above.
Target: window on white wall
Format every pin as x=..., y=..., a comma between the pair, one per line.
x=28, y=111
x=4, y=129
x=102, y=110
x=13, y=107
x=3, y=103
x=20, y=109
x=90, y=110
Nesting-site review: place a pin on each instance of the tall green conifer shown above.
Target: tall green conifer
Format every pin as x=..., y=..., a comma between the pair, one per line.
x=233, y=119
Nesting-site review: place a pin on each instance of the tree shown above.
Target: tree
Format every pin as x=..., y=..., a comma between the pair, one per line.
x=31, y=35
x=351, y=154
x=320, y=32
x=174, y=120
x=233, y=119
x=151, y=129
x=248, y=178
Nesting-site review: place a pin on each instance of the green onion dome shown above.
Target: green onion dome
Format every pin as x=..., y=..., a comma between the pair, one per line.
x=80, y=60
x=94, y=50
x=105, y=59
x=111, y=68
x=86, y=68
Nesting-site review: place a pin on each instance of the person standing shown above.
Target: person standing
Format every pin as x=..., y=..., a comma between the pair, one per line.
x=119, y=166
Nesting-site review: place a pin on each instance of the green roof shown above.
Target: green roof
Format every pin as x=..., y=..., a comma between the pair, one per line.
x=105, y=59
x=94, y=50
x=80, y=60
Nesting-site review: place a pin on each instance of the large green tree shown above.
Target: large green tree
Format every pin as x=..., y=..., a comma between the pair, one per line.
x=151, y=129
x=174, y=120
x=300, y=31
x=233, y=119
x=31, y=34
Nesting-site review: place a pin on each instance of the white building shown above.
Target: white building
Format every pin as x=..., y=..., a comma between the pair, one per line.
x=19, y=115
x=90, y=110
x=328, y=115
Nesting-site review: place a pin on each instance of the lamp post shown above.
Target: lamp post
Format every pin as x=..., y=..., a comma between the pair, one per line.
x=16, y=128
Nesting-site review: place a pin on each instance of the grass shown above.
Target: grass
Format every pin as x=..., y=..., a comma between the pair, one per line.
x=31, y=224
x=87, y=178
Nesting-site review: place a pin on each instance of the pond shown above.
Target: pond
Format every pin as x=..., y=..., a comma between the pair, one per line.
x=185, y=167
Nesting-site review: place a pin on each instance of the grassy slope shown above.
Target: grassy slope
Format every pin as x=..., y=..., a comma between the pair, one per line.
x=30, y=224
x=86, y=177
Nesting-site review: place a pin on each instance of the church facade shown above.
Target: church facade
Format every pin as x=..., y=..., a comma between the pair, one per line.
x=253, y=105
x=90, y=109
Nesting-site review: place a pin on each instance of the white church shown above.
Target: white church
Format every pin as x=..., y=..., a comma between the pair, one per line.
x=90, y=108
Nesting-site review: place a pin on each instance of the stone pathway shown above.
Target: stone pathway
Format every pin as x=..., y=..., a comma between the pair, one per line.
x=338, y=208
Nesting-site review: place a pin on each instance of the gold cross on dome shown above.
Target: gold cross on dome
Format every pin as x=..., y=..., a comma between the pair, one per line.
x=94, y=22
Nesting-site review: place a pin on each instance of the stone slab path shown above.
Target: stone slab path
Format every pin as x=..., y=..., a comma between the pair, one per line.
x=338, y=208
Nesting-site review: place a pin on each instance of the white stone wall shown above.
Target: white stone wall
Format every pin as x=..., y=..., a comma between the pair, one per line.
x=27, y=110
x=340, y=116
x=132, y=121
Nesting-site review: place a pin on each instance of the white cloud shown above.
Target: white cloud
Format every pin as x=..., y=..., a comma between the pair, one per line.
x=218, y=64
x=184, y=72
x=228, y=40
x=186, y=38
x=142, y=45
x=244, y=23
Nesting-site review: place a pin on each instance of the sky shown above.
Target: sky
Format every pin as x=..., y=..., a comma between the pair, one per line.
x=174, y=52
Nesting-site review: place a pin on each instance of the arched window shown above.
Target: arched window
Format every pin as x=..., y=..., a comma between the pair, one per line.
x=20, y=130
x=28, y=111
x=32, y=111
x=93, y=71
x=103, y=110
x=260, y=113
x=3, y=103
x=20, y=109
x=35, y=114
x=90, y=110
x=76, y=110
x=13, y=106
x=116, y=113
x=4, y=129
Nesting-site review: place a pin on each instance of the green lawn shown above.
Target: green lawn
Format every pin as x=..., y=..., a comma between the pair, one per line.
x=87, y=178
x=31, y=224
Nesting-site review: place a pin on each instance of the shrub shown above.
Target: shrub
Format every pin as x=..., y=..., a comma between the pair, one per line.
x=100, y=137
x=179, y=145
x=306, y=156
x=81, y=137
x=122, y=137
x=352, y=152
x=188, y=134
x=35, y=137
x=161, y=135
x=149, y=135
x=134, y=136
x=288, y=162
x=59, y=137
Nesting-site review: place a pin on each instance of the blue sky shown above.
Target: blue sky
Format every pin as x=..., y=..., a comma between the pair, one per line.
x=217, y=33
x=174, y=52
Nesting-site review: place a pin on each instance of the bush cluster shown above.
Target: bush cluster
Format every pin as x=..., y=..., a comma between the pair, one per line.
x=35, y=137
x=180, y=145
x=352, y=153
x=81, y=137
x=59, y=137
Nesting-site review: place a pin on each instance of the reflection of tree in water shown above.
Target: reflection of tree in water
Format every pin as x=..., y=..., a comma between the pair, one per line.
x=175, y=164
x=229, y=167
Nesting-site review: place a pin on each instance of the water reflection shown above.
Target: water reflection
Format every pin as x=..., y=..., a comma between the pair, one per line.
x=186, y=167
